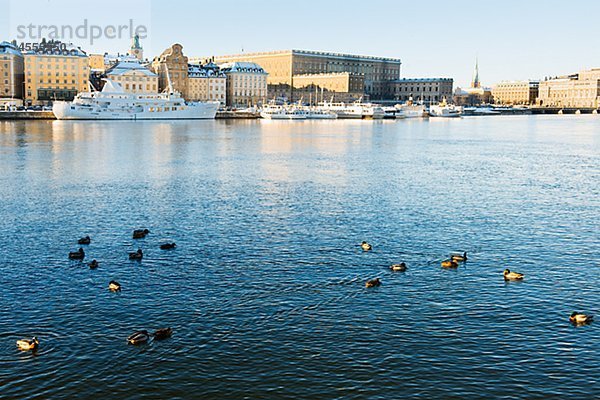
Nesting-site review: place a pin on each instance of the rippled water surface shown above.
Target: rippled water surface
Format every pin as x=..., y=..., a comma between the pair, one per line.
x=266, y=290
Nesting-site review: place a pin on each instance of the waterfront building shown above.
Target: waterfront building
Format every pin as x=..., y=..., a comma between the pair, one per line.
x=574, y=91
x=172, y=66
x=52, y=74
x=516, y=92
x=426, y=90
x=11, y=75
x=336, y=87
x=246, y=84
x=133, y=76
x=285, y=69
x=206, y=83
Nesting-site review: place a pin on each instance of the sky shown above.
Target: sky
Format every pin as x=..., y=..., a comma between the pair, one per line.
x=513, y=40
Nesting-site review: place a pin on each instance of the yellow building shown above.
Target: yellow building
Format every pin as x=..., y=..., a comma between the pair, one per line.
x=11, y=74
x=284, y=67
x=516, y=92
x=57, y=74
x=571, y=91
x=341, y=86
x=206, y=83
x=96, y=62
x=172, y=66
x=246, y=84
x=133, y=76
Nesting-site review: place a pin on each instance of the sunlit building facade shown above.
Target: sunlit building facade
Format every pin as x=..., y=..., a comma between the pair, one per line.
x=246, y=84
x=11, y=75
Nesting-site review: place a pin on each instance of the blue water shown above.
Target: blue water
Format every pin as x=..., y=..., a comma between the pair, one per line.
x=266, y=290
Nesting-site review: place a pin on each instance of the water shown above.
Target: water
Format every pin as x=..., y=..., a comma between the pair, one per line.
x=265, y=290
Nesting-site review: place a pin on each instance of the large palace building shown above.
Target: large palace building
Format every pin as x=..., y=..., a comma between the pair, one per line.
x=294, y=73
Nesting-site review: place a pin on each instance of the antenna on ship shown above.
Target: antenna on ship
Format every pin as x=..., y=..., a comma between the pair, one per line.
x=169, y=83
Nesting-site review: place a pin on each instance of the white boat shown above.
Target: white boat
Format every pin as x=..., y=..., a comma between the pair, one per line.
x=114, y=103
x=271, y=111
x=355, y=110
x=317, y=113
x=480, y=111
x=342, y=110
x=410, y=110
x=445, y=110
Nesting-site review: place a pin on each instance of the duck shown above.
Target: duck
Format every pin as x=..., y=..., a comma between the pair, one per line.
x=94, y=264
x=163, y=333
x=140, y=233
x=449, y=264
x=114, y=286
x=366, y=246
x=580, y=319
x=398, y=267
x=458, y=257
x=373, y=283
x=77, y=255
x=28, y=344
x=84, y=240
x=512, y=276
x=137, y=255
x=138, y=337
x=168, y=246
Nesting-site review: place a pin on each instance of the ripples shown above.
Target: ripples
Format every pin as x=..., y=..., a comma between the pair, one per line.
x=265, y=290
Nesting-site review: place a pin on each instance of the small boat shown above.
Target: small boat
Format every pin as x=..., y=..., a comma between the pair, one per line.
x=445, y=110
x=114, y=286
x=449, y=264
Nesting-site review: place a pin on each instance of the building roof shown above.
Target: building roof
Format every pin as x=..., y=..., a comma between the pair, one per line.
x=423, y=80
x=243, y=67
x=130, y=64
x=204, y=71
x=315, y=54
x=9, y=48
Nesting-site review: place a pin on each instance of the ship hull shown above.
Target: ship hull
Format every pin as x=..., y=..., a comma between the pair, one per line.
x=69, y=111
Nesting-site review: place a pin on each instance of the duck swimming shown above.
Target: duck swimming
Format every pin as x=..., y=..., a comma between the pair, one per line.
x=512, y=276
x=580, y=319
x=114, y=286
x=458, y=257
x=167, y=246
x=94, y=264
x=138, y=255
x=84, y=240
x=138, y=337
x=373, y=283
x=140, y=233
x=398, y=267
x=366, y=246
x=27, y=344
x=163, y=333
x=449, y=264
x=77, y=255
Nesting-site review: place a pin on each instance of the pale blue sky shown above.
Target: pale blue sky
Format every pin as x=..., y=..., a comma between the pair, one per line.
x=513, y=39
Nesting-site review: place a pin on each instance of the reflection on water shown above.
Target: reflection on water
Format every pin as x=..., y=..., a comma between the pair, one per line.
x=265, y=290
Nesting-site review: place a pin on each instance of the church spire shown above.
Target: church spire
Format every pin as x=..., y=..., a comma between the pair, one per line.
x=475, y=83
